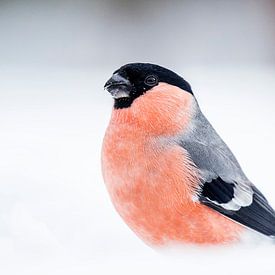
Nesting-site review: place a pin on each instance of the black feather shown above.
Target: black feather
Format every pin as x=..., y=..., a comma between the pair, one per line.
x=218, y=190
x=259, y=215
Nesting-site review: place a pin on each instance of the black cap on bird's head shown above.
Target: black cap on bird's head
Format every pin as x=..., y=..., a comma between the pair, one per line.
x=134, y=79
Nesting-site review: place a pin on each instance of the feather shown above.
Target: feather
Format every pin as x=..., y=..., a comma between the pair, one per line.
x=224, y=187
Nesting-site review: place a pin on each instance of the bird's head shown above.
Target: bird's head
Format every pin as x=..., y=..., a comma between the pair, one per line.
x=135, y=79
x=155, y=99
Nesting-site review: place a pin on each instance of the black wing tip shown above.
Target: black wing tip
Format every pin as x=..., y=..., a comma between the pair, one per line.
x=259, y=215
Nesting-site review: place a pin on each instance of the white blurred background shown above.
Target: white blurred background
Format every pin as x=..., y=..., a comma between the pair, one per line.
x=55, y=56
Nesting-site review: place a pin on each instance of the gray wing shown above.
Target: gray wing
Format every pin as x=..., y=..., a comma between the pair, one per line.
x=224, y=186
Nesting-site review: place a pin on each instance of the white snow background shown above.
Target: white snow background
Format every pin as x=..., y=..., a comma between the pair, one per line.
x=55, y=56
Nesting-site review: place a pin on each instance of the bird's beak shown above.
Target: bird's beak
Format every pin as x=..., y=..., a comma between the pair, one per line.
x=118, y=86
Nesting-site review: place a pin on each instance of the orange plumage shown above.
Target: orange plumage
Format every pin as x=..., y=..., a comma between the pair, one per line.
x=151, y=180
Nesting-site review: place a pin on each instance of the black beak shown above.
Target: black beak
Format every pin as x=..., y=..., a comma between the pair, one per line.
x=118, y=86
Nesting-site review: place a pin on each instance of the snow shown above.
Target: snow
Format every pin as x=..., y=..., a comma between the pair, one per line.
x=55, y=213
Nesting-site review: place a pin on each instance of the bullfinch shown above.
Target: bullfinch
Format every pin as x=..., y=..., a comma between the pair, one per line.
x=169, y=174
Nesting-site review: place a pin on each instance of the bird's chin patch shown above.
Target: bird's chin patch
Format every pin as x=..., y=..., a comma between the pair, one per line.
x=118, y=94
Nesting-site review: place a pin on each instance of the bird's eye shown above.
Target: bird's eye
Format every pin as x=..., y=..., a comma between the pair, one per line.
x=151, y=80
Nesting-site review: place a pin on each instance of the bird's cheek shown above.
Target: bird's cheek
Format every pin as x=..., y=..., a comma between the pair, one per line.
x=161, y=112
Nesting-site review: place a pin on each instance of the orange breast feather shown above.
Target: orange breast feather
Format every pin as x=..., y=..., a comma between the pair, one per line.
x=150, y=178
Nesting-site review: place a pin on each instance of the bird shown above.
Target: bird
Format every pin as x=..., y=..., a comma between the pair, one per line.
x=170, y=176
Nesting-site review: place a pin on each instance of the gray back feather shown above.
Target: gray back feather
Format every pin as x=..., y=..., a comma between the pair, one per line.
x=220, y=172
x=209, y=152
